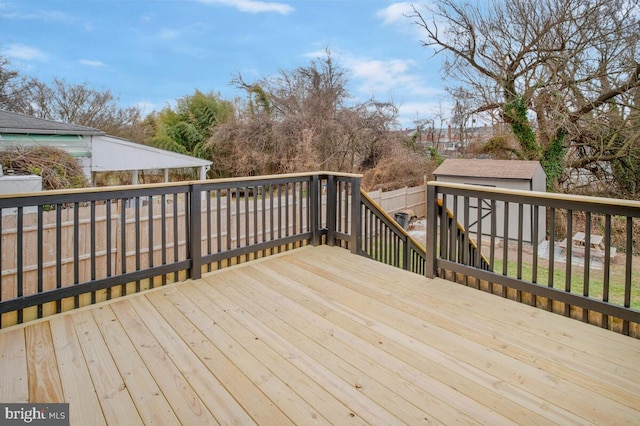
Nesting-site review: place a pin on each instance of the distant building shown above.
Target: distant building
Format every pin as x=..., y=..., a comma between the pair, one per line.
x=96, y=151
x=511, y=174
x=449, y=139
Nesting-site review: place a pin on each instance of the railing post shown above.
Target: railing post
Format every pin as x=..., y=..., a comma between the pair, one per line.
x=195, y=231
x=432, y=232
x=332, y=206
x=406, y=254
x=314, y=206
x=356, y=217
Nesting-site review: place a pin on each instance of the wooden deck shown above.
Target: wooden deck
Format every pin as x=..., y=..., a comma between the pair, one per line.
x=320, y=336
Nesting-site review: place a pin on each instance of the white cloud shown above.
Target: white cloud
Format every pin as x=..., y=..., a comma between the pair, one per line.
x=91, y=63
x=175, y=33
x=169, y=34
x=376, y=76
x=147, y=107
x=148, y=17
x=394, y=13
x=24, y=52
x=38, y=15
x=254, y=6
x=399, y=17
x=398, y=79
x=379, y=73
x=10, y=11
x=438, y=109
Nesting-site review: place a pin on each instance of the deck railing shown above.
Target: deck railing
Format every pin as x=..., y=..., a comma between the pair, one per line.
x=61, y=250
x=383, y=240
x=367, y=230
x=529, y=241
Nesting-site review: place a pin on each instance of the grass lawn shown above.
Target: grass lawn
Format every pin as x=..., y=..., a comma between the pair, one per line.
x=596, y=280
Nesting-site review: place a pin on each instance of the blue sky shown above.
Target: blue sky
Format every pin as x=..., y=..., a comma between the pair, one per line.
x=151, y=52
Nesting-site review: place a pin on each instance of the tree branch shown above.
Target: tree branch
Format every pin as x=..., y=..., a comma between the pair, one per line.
x=632, y=82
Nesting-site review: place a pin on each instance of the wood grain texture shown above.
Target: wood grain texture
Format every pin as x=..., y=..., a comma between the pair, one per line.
x=320, y=336
x=14, y=384
x=42, y=369
x=74, y=372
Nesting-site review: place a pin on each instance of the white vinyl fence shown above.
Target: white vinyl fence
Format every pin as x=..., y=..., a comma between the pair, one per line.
x=414, y=199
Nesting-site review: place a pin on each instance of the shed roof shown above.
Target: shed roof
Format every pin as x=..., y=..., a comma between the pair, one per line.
x=13, y=122
x=495, y=169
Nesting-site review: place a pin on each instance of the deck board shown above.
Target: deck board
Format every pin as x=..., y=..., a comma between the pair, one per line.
x=320, y=336
x=552, y=382
x=115, y=400
x=150, y=402
x=42, y=372
x=432, y=345
x=74, y=372
x=14, y=384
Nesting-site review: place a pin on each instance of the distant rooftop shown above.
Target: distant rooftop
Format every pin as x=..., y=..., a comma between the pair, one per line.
x=97, y=151
x=499, y=169
x=12, y=122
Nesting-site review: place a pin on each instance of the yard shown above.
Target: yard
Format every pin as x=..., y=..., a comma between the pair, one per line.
x=596, y=277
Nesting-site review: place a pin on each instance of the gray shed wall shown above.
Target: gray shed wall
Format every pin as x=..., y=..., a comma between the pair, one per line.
x=513, y=215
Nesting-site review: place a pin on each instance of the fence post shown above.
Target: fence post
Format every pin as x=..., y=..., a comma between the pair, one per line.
x=195, y=231
x=356, y=217
x=406, y=198
x=432, y=231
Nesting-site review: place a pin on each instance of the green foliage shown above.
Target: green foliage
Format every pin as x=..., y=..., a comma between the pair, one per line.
x=187, y=128
x=259, y=99
x=435, y=155
x=164, y=141
x=516, y=113
x=552, y=160
x=551, y=157
x=626, y=173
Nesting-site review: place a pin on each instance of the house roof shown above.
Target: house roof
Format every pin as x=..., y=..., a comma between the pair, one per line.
x=12, y=122
x=492, y=169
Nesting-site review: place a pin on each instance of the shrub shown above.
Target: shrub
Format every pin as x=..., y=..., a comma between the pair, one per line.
x=58, y=168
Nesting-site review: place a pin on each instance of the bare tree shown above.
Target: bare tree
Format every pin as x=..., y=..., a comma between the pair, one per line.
x=15, y=90
x=70, y=103
x=81, y=105
x=301, y=120
x=562, y=73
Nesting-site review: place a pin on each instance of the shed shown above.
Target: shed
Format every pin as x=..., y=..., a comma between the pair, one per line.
x=96, y=151
x=510, y=174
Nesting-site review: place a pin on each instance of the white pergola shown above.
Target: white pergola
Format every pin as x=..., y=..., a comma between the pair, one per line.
x=96, y=151
x=109, y=153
